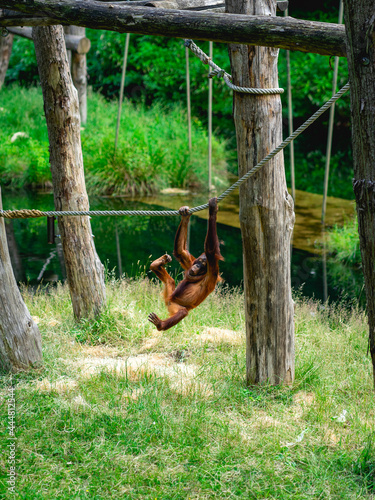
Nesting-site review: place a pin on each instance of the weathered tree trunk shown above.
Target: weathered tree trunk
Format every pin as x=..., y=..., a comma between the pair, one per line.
x=79, y=71
x=6, y=44
x=360, y=26
x=266, y=210
x=272, y=31
x=84, y=271
x=20, y=340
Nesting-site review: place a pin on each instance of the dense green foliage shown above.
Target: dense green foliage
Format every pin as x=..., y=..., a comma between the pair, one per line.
x=152, y=152
x=121, y=411
x=156, y=72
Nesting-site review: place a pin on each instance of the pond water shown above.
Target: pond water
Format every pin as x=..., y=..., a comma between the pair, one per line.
x=128, y=244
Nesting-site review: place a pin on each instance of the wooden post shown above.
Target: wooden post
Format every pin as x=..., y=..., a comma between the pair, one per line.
x=210, y=123
x=6, y=43
x=266, y=211
x=79, y=71
x=330, y=125
x=20, y=340
x=122, y=84
x=85, y=272
x=360, y=26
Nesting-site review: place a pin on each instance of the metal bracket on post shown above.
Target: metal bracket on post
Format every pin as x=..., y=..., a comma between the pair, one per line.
x=283, y=5
x=51, y=229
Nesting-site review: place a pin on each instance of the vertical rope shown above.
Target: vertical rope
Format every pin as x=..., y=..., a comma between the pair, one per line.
x=290, y=119
x=123, y=75
x=330, y=125
x=210, y=122
x=188, y=100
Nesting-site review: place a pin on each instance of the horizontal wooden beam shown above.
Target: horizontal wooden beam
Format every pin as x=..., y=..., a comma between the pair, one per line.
x=14, y=18
x=78, y=44
x=282, y=32
x=189, y=4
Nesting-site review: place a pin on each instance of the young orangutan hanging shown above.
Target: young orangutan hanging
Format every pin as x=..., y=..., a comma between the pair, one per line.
x=201, y=274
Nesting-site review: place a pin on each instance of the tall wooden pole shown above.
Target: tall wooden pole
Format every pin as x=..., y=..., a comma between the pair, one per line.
x=330, y=124
x=266, y=210
x=360, y=27
x=123, y=76
x=85, y=273
x=20, y=340
x=210, y=122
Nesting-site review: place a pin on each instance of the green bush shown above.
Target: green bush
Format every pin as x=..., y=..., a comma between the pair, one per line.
x=152, y=151
x=156, y=72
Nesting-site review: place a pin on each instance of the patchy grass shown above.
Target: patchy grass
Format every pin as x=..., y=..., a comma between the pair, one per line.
x=123, y=411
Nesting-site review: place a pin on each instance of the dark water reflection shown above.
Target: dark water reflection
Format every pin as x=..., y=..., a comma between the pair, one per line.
x=129, y=244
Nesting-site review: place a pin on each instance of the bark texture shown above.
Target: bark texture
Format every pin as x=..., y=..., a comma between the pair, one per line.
x=85, y=273
x=20, y=340
x=272, y=31
x=6, y=44
x=266, y=211
x=360, y=25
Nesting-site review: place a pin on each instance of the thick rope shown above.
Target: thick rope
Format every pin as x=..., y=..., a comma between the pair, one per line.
x=25, y=214
x=283, y=145
x=217, y=71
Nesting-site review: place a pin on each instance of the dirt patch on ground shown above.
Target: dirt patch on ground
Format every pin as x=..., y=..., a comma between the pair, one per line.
x=151, y=342
x=98, y=351
x=182, y=377
x=302, y=400
x=61, y=386
x=221, y=335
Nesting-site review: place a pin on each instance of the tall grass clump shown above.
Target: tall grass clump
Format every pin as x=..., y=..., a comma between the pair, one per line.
x=123, y=411
x=343, y=242
x=152, y=152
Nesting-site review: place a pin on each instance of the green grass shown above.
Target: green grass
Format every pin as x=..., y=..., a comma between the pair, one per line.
x=343, y=242
x=122, y=411
x=152, y=152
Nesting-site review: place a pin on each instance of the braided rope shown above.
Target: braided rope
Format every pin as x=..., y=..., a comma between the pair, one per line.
x=15, y=214
x=217, y=71
x=26, y=214
x=281, y=146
